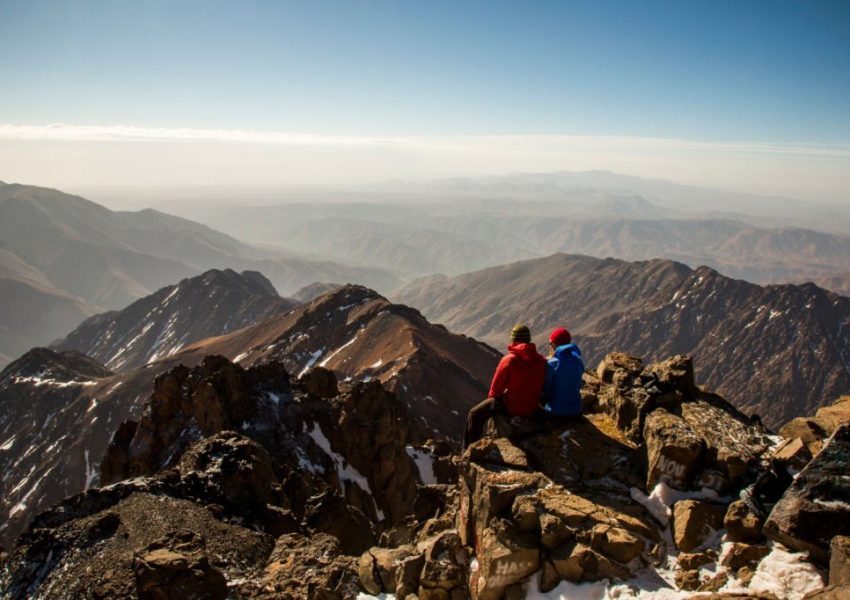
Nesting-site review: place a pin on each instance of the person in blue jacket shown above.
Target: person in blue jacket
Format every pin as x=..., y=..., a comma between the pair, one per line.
x=562, y=388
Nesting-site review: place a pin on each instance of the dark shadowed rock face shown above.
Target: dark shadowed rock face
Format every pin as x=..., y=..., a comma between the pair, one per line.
x=779, y=351
x=158, y=325
x=363, y=423
x=264, y=475
x=817, y=505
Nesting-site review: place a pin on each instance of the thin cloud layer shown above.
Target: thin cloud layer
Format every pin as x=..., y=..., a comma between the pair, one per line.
x=125, y=133
x=119, y=133
x=75, y=155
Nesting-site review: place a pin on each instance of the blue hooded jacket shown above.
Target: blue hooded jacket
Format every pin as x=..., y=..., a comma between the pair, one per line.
x=562, y=390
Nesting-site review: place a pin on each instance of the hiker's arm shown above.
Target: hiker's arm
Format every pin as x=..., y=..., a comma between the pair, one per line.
x=500, y=378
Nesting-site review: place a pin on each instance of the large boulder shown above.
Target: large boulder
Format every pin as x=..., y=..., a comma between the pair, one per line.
x=378, y=568
x=794, y=453
x=309, y=567
x=619, y=368
x=817, y=505
x=176, y=567
x=671, y=380
x=839, y=560
x=488, y=491
x=589, y=450
x=444, y=572
x=734, y=442
x=813, y=431
x=674, y=450
x=694, y=521
x=621, y=395
x=741, y=524
x=507, y=556
x=230, y=469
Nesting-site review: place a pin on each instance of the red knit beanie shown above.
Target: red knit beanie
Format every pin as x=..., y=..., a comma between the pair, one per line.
x=560, y=336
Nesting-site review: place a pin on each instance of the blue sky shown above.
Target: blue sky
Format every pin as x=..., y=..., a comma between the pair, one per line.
x=747, y=95
x=754, y=71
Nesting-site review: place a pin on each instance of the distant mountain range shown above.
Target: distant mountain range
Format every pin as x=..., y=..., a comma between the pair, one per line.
x=457, y=226
x=778, y=350
x=59, y=409
x=159, y=325
x=63, y=258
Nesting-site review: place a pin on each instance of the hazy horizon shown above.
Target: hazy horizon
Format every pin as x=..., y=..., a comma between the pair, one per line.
x=738, y=97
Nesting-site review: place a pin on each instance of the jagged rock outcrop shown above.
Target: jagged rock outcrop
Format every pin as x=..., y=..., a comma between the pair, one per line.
x=55, y=432
x=265, y=475
x=363, y=423
x=817, y=505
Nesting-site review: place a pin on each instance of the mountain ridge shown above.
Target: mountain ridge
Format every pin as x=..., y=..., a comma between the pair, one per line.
x=158, y=325
x=73, y=257
x=657, y=308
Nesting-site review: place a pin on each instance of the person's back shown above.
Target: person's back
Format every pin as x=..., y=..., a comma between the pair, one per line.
x=518, y=381
x=562, y=389
x=516, y=387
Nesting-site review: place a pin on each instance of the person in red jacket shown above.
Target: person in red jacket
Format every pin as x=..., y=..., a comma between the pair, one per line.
x=516, y=387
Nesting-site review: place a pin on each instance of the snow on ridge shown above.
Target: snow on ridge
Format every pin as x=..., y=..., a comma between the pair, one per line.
x=424, y=463
x=345, y=471
x=312, y=360
x=340, y=349
x=91, y=472
x=38, y=381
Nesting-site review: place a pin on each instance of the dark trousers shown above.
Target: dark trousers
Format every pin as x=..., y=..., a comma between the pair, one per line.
x=476, y=420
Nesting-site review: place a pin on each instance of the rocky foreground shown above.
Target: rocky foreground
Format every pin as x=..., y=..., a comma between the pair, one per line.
x=247, y=483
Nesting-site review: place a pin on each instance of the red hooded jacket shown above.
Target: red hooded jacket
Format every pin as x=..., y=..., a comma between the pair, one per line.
x=519, y=379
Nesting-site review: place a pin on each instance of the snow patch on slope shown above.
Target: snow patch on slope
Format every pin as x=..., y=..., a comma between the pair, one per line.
x=345, y=471
x=424, y=463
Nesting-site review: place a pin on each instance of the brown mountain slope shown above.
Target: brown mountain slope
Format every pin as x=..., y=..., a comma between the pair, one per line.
x=359, y=334
x=56, y=420
x=159, y=325
x=111, y=258
x=779, y=351
x=33, y=311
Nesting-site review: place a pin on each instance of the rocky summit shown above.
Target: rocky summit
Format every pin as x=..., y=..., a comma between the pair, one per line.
x=250, y=482
x=56, y=419
x=233, y=481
